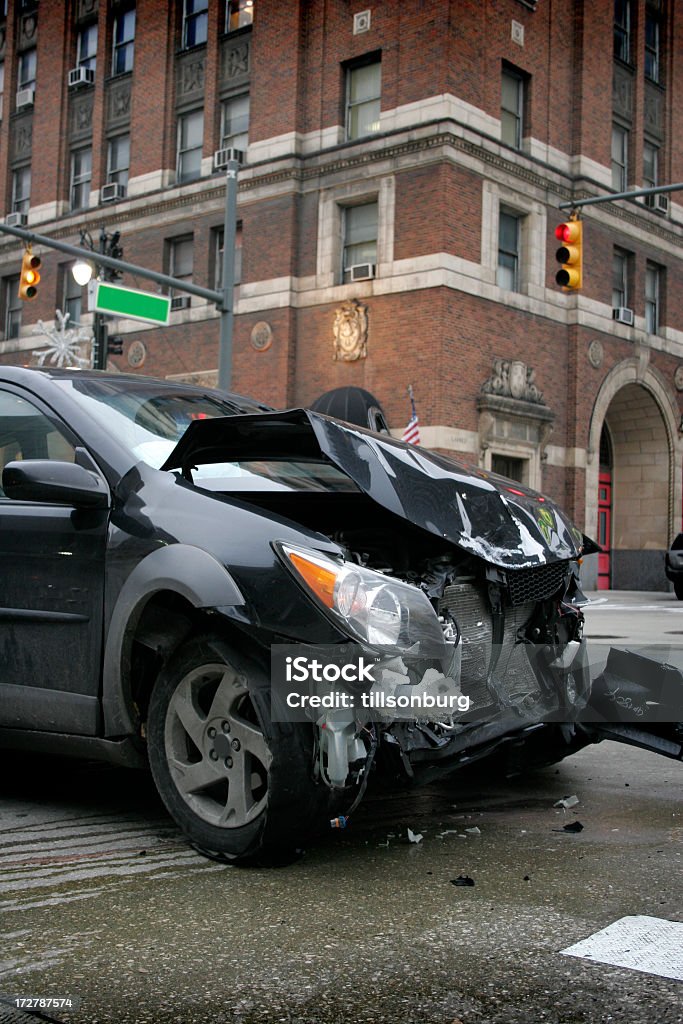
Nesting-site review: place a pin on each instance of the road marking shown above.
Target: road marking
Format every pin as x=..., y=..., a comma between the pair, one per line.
x=60, y=861
x=607, y=607
x=639, y=943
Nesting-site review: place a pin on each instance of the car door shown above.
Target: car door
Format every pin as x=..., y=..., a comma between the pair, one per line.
x=51, y=585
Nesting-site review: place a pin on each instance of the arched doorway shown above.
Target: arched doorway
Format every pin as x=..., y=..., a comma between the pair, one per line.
x=639, y=408
x=634, y=491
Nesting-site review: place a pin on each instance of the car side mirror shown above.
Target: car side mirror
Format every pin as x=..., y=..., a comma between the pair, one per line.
x=60, y=483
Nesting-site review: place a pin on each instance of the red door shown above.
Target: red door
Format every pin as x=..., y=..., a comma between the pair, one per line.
x=604, y=527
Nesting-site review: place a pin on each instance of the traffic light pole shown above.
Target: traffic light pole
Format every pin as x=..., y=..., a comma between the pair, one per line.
x=223, y=300
x=228, y=280
x=654, y=191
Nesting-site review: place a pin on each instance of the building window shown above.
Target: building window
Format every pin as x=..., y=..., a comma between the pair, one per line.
x=2, y=85
x=218, y=258
x=195, y=22
x=21, y=189
x=190, y=144
x=86, y=48
x=512, y=468
x=118, y=159
x=620, y=261
x=650, y=165
x=622, y=29
x=124, y=42
x=509, y=240
x=13, y=307
x=71, y=295
x=235, y=123
x=238, y=14
x=81, y=175
x=360, y=237
x=363, y=93
x=652, y=52
x=619, y=158
x=511, y=108
x=653, y=283
x=180, y=259
x=26, y=73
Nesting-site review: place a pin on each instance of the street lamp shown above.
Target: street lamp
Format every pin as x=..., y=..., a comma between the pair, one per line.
x=82, y=271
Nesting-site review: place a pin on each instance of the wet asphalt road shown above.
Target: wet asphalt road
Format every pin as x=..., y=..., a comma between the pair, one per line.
x=100, y=898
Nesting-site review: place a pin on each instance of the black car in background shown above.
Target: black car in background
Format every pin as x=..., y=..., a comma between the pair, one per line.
x=157, y=540
x=673, y=565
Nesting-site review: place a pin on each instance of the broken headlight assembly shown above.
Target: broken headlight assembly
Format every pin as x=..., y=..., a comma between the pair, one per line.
x=377, y=610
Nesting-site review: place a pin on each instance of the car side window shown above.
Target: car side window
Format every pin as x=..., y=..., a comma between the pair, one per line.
x=26, y=433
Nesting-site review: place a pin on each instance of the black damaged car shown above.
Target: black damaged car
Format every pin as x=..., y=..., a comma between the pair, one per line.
x=159, y=541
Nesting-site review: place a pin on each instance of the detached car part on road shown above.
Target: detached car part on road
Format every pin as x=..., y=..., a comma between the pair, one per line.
x=157, y=541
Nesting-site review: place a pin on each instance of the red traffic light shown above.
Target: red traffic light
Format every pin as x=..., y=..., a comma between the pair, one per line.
x=29, y=276
x=570, y=255
x=570, y=231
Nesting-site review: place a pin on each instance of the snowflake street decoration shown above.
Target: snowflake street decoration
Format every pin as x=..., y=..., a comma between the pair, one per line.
x=65, y=343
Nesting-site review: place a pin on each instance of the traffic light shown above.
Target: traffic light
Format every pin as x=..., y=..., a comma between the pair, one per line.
x=570, y=255
x=29, y=275
x=115, y=346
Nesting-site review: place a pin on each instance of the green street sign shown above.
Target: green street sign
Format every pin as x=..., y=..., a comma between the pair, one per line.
x=131, y=303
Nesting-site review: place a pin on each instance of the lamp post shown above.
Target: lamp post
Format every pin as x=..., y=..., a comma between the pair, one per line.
x=82, y=272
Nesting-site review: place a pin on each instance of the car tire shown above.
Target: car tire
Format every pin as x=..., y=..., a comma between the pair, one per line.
x=678, y=590
x=240, y=786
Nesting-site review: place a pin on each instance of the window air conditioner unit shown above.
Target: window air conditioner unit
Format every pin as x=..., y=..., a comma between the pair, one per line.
x=16, y=219
x=81, y=76
x=623, y=315
x=657, y=202
x=180, y=302
x=25, y=98
x=362, y=271
x=221, y=157
x=112, y=191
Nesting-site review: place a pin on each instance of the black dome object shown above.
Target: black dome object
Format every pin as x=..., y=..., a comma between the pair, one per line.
x=354, y=405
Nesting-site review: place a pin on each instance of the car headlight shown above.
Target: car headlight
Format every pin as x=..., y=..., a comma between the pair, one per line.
x=376, y=609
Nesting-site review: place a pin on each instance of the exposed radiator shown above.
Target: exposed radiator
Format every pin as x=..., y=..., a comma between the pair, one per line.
x=468, y=604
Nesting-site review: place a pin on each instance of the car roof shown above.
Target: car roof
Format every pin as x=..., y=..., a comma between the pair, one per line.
x=30, y=375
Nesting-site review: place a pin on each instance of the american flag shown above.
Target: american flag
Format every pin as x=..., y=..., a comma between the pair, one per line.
x=411, y=435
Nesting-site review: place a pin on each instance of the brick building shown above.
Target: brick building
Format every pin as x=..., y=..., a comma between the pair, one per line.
x=404, y=166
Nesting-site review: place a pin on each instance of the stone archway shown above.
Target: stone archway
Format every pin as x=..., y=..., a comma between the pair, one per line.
x=642, y=418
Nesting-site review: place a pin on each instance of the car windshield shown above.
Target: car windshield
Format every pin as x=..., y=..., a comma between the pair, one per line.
x=149, y=420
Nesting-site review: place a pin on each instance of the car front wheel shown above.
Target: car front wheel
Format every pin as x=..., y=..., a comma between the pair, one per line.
x=240, y=786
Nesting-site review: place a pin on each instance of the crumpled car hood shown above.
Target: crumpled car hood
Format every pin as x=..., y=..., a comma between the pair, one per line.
x=501, y=521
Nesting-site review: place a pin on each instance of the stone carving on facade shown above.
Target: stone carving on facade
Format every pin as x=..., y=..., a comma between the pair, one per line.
x=22, y=134
x=137, y=353
x=28, y=31
x=191, y=78
x=653, y=110
x=81, y=115
x=119, y=102
x=261, y=336
x=622, y=91
x=512, y=413
x=86, y=9
x=511, y=378
x=678, y=377
x=596, y=354
x=350, y=331
x=235, y=61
